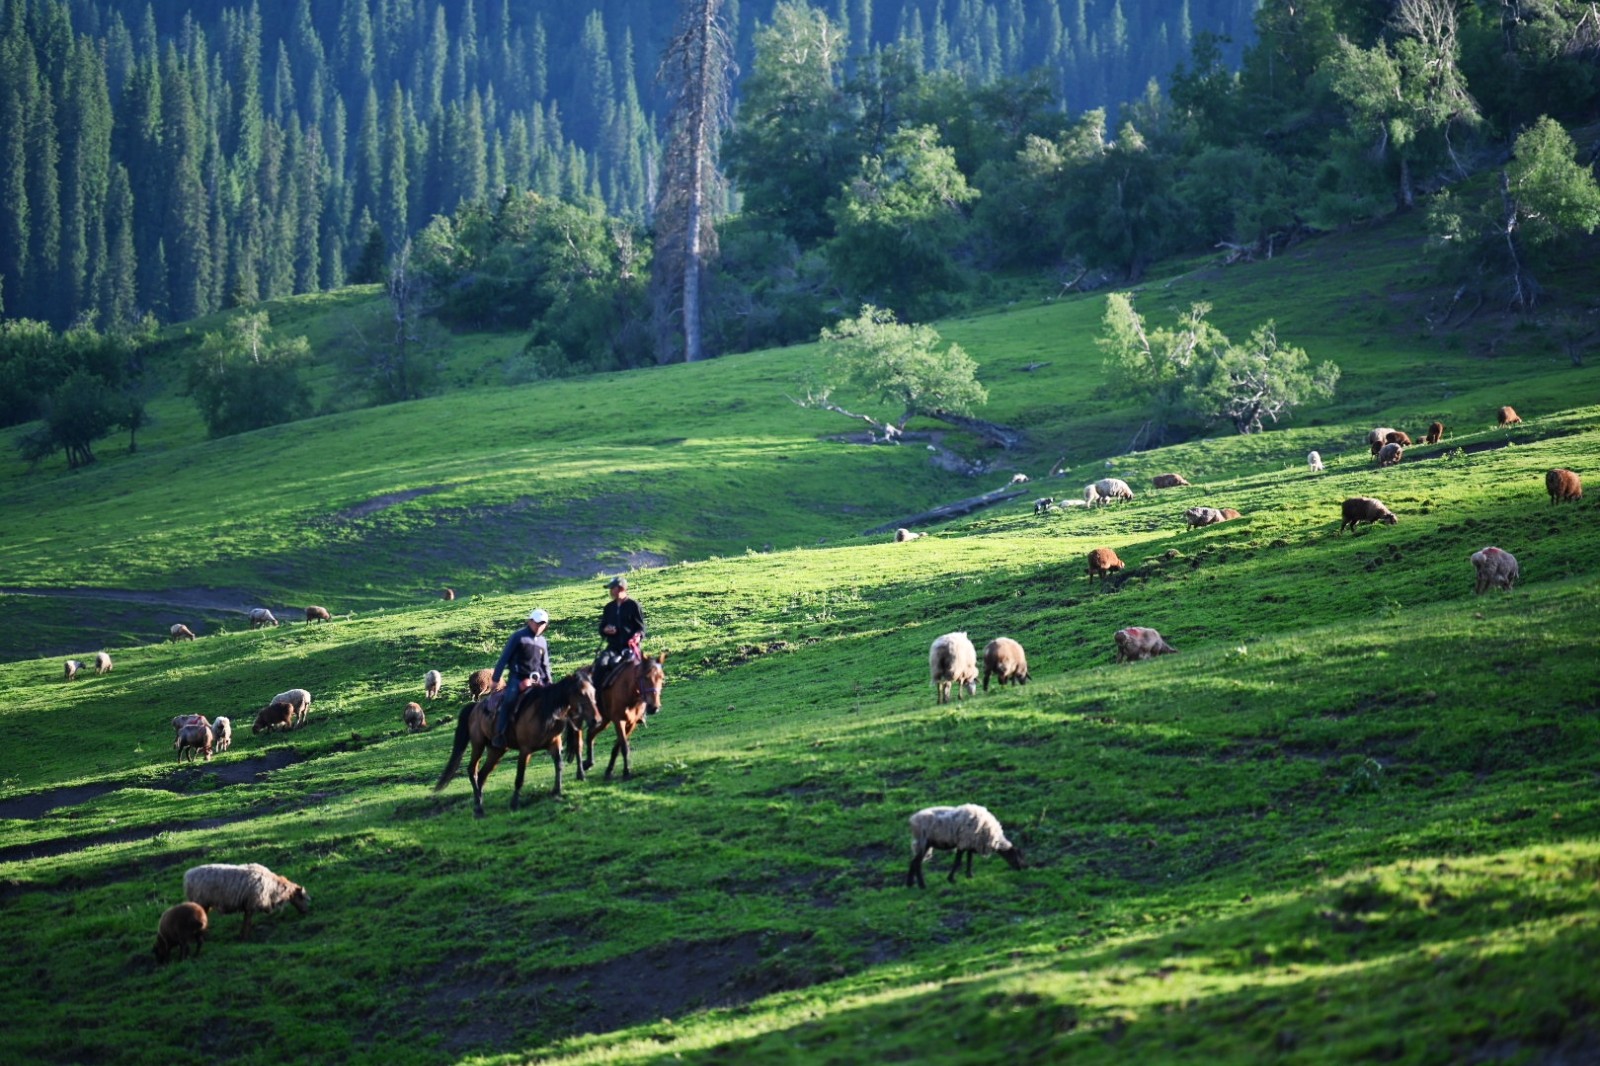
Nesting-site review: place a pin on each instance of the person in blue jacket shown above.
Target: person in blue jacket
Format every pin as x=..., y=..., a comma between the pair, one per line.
x=526, y=657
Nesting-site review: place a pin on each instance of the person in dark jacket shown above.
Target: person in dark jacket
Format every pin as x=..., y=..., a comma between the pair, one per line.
x=527, y=658
x=622, y=626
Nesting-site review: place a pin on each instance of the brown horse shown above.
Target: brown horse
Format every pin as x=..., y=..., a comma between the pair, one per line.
x=541, y=715
x=633, y=692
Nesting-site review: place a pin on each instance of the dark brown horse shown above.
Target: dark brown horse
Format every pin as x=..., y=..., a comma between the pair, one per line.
x=633, y=692
x=541, y=716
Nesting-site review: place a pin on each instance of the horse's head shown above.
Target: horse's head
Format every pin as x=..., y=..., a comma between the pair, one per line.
x=583, y=708
x=651, y=678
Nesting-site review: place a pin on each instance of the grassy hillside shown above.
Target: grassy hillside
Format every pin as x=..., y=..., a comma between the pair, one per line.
x=1353, y=818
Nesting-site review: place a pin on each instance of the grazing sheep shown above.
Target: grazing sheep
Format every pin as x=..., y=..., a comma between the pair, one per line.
x=102, y=663
x=1004, y=658
x=1563, y=485
x=1377, y=438
x=1435, y=433
x=952, y=660
x=1137, y=642
x=1043, y=504
x=447, y=594
x=432, y=682
x=967, y=830
x=414, y=718
x=298, y=700
x=1398, y=436
x=1229, y=514
x=902, y=535
x=1365, y=509
x=480, y=682
x=1497, y=569
x=249, y=888
x=1508, y=416
x=181, y=632
x=72, y=668
x=317, y=614
x=272, y=716
x=221, y=734
x=1169, y=481
x=1314, y=461
x=1105, y=490
x=1390, y=454
x=181, y=925
x=260, y=616
x=193, y=738
x=181, y=720
x=1202, y=516
x=1017, y=479
x=1101, y=562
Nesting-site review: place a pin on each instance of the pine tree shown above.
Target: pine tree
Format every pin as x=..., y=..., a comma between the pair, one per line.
x=85, y=170
x=185, y=223
x=367, y=166
x=18, y=84
x=118, y=294
x=393, y=210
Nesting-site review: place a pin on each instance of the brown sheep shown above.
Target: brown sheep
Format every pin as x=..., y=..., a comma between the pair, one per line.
x=1397, y=436
x=1004, y=658
x=447, y=594
x=1139, y=642
x=1229, y=514
x=1101, y=562
x=1201, y=516
x=1168, y=481
x=1435, y=433
x=1497, y=569
x=1365, y=509
x=481, y=681
x=192, y=738
x=181, y=632
x=1508, y=416
x=272, y=716
x=413, y=717
x=1390, y=454
x=1563, y=485
x=1377, y=438
x=317, y=614
x=181, y=925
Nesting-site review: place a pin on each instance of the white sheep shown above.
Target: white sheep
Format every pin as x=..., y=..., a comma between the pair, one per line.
x=1497, y=569
x=967, y=830
x=1314, y=461
x=1017, y=479
x=953, y=660
x=1105, y=490
x=102, y=663
x=221, y=734
x=181, y=632
x=432, y=682
x=260, y=616
x=298, y=701
x=249, y=888
x=72, y=668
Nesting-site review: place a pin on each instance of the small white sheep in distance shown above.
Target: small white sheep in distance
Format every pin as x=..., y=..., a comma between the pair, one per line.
x=952, y=660
x=1105, y=490
x=1017, y=479
x=967, y=830
x=181, y=925
x=180, y=631
x=250, y=888
x=102, y=663
x=73, y=666
x=1004, y=658
x=1314, y=461
x=1497, y=569
x=298, y=700
x=432, y=682
x=413, y=717
x=260, y=616
x=221, y=734
x=902, y=535
x=1140, y=642
x=191, y=739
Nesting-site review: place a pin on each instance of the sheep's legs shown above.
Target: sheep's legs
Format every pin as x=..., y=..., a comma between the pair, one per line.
x=957, y=867
x=914, y=875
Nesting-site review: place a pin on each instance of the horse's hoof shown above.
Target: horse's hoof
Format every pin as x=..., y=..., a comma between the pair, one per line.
x=477, y=812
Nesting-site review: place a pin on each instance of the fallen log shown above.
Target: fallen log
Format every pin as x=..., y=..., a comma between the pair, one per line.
x=950, y=510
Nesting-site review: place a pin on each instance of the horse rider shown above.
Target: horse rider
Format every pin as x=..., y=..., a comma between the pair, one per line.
x=527, y=656
x=622, y=626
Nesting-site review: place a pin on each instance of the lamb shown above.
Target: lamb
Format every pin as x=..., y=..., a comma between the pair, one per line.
x=967, y=830
x=1101, y=562
x=1043, y=504
x=102, y=663
x=1004, y=658
x=1202, y=516
x=181, y=632
x=432, y=682
x=480, y=682
x=413, y=717
x=1229, y=514
x=1136, y=642
x=1390, y=454
x=1314, y=461
x=902, y=535
x=193, y=738
x=272, y=716
x=1508, y=416
x=1435, y=433
x=72, y=668
x=298, y=700
x=317, y=614
x=1365, y=509
x=181, y=925
x=249, y=888
x=1377, y=438
x=1105, y=490
x=260, y=616
x=1398, y=436
x=1169, y=481
x=447, y=594
x=1563, y=485
x=952, y=660
x=1497, y=569
x=221, y=734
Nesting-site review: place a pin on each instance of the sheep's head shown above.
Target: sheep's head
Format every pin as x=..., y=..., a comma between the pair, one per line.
x=300, y=899
x=1013, y=856
x=1388, y=518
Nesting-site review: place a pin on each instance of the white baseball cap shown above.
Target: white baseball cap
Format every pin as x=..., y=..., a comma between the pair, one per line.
x=538, y=615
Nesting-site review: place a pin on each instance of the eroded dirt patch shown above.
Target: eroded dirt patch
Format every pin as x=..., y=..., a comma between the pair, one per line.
x=229, y=772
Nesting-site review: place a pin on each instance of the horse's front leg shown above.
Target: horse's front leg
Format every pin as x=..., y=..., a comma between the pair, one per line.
x=479, y=778
x=555, y=757
x=620, y=746
x=574, y=752
x=522, y=772
x=587, y=762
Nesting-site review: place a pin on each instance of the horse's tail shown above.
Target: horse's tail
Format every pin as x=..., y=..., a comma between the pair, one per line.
x=463, y=731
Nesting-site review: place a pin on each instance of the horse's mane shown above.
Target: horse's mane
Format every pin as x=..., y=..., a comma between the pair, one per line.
x=556, y=695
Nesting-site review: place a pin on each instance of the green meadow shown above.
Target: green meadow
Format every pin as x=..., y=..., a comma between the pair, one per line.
x=1355, y=817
